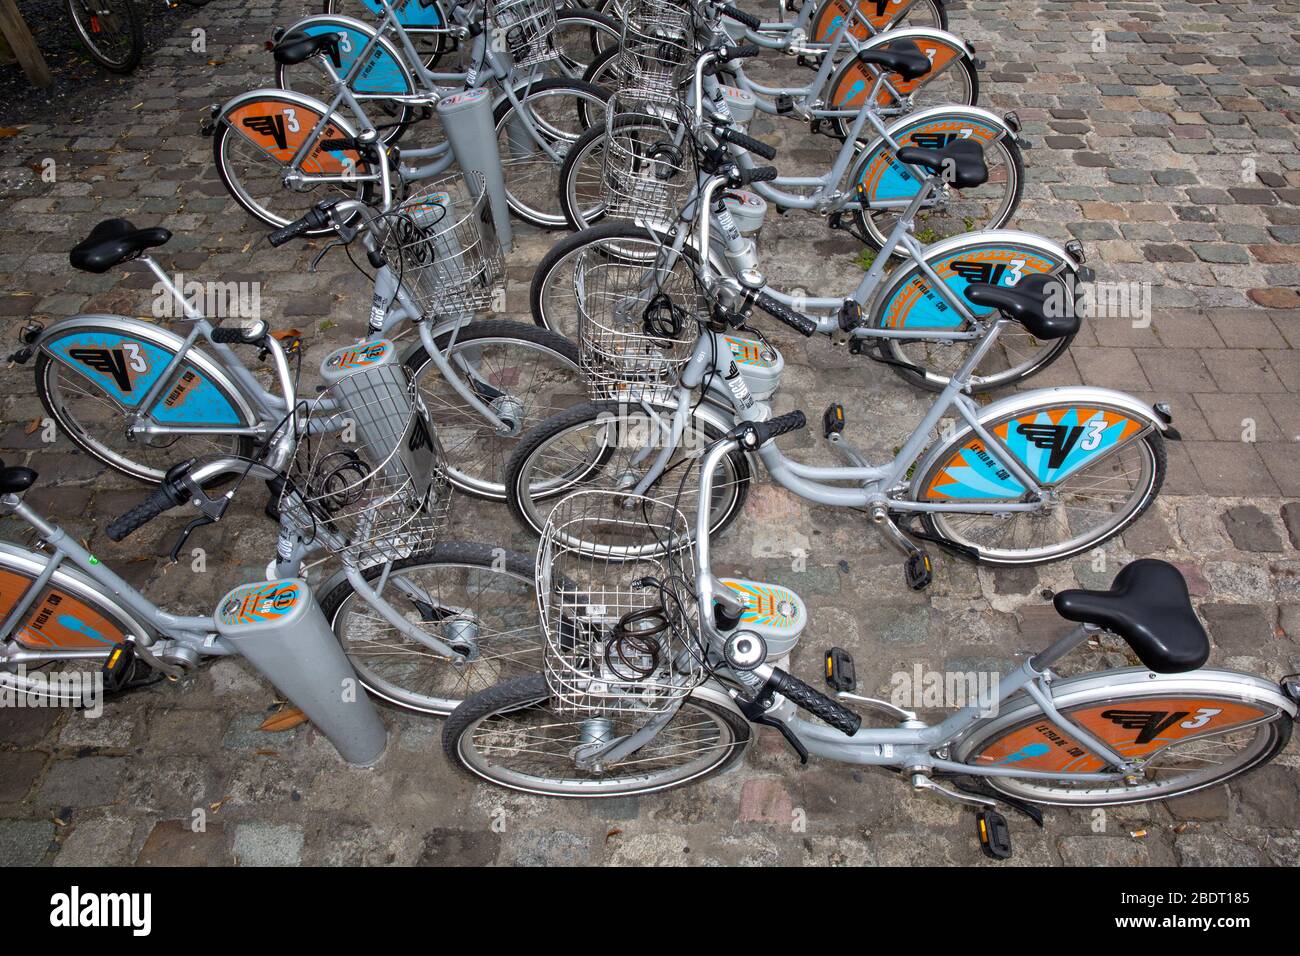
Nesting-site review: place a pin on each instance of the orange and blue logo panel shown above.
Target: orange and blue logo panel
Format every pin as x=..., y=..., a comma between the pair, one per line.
x=1051, y=445
x=1132, y=728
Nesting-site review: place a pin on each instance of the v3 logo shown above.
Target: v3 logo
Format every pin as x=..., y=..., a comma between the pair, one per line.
x=1059, y=440
x=1148, y=723
x=276, y=127
x=121, y=364
x=990, y=272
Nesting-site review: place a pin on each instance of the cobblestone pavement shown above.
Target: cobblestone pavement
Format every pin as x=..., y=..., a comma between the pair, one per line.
x=1165, y=137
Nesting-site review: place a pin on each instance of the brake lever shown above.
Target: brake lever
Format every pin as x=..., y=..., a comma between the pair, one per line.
x=755, y=712
x=189, y=529
x=316, y=260
x=212, y=512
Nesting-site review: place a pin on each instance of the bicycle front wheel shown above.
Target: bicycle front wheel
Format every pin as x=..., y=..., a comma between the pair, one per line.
x=525, y=374
x=111, y=31
x=466, y=595
x=516, y=737
x=552, y=114
x=607, y=446
x=1187, y=732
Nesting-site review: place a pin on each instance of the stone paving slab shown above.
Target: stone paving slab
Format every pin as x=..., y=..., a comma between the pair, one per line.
x=1165, y=137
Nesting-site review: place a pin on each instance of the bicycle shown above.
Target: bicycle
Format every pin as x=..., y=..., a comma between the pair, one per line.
x=266, y=143
x=864, y=189
x=840, y=85
x=110, y=30
x=581, y=33
x=914, y=315
x=356, y=473
x=816, y=19
x=137, y=396
x=1038, y=476
x=655, y=672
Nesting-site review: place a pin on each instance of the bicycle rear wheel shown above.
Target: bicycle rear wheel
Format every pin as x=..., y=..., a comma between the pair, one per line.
x=1088, y=506
x=513, y=736
x=110, y=30
x=1188, y=731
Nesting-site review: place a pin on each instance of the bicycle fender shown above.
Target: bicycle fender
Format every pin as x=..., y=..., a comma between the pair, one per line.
x=384, y=72
x=125, y=357
x=907, y=299
x=884, y=177
x=1053, y=432
x=853, y=80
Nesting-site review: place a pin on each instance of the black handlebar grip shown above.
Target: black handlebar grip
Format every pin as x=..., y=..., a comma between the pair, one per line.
x=229, y=335
x=141, y=515
x=759, y=174
x=729, y=53
x=778, y=310
x=781, y=425
x=737, y=138
x=814, y=701
x=740, y=16
x=317, y=218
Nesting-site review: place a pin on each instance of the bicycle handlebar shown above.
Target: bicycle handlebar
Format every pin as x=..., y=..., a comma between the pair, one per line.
x=728, y=53
x=802, y=324
x=318, y=217
x=740, y=16
x=814, y=701
x=756, y=434
x=173, y=491
x=745, y=142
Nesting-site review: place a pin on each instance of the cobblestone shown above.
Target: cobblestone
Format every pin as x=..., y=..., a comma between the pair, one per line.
x=1171, y=152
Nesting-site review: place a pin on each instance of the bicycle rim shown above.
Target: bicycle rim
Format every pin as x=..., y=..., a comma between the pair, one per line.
x=525, y=382
x=496, y=606
x=528, y=749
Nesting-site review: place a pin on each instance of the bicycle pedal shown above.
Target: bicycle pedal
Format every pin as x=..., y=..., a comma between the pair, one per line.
x=784, y=103
x=918, y=572
x=119, y=667
x=840, y=673
x=994, y=834
x=833, y=420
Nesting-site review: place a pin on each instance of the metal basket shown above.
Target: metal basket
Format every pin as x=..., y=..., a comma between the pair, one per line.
x=527, y=27
x=648, y=164
x=368, y=480
x=657, y=50
x=637, y=322
x=622, y=636
x=442, y=242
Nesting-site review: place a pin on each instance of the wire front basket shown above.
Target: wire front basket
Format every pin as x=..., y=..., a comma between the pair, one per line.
x=657, y=50
x=648, y=164
x=527, y=28
x=622, y=636
x=638, y=320
x=369, y=478
x=442, y=242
